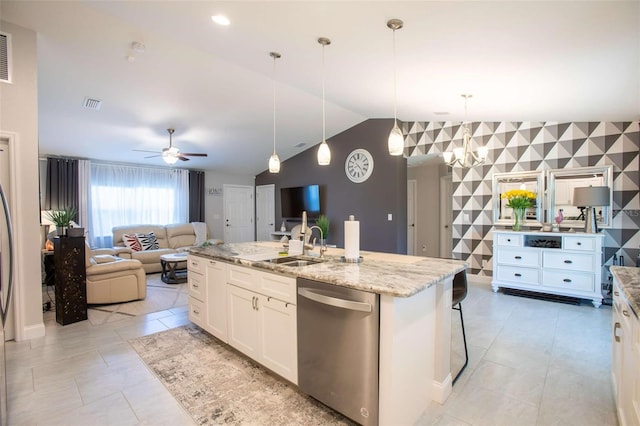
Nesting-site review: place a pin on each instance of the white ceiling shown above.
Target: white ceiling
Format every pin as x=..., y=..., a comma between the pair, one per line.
x=521, y=60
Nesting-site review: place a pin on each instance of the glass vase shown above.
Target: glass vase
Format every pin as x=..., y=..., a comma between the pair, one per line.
x=518, y=218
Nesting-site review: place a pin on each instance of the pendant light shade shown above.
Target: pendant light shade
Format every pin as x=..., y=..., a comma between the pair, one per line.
x=274, y=160
x=396, y=140
x=324, y=153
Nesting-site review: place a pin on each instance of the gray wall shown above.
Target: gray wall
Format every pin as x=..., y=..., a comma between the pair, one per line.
x=385, y=192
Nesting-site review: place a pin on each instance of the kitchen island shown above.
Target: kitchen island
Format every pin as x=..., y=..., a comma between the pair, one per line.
x=415, y=313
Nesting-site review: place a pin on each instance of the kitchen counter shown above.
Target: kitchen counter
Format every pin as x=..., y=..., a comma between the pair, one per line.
x=629, y=280
x=382, y=273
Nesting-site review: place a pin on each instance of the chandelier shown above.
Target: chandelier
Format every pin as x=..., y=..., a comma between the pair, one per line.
x=464, y=156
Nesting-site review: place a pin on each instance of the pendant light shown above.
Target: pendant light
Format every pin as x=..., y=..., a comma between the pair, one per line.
x=324, y=153
x=463, y=156
x=274, y=160
x=396, y=140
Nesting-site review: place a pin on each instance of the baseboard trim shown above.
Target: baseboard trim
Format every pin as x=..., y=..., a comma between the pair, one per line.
x=442, y=390
x=33, y=332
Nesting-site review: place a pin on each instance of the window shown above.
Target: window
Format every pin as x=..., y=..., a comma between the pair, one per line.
x=129, y=195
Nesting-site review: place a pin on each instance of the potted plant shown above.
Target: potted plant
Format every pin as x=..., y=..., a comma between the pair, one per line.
x=62, y=218
x=323, y=223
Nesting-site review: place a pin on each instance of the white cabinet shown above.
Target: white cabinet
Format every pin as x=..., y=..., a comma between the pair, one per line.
x=625, y=360
x=207, y=295
x=547, y=262
x=261, y=319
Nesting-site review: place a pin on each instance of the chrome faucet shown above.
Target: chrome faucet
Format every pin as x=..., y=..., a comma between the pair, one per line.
x=323, y=247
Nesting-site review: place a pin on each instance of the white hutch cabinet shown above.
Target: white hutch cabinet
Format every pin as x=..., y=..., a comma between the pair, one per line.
x=567, y=264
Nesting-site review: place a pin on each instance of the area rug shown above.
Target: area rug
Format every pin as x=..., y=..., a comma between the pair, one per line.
x=160, y=297
x=217, y=385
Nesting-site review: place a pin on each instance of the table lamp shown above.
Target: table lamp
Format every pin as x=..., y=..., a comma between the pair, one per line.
x=590, y=197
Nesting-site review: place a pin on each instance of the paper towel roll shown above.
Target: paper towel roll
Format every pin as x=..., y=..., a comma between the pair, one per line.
x=351, y=239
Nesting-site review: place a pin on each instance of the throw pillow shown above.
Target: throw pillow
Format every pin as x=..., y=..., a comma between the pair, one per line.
x=132, y=242
x=148, y=241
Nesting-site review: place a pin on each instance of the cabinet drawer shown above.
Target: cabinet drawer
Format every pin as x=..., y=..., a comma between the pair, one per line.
x=278, y=286
x=197, y=286
x=243, y=277
x=196, y=264
x=197, y=312
x=569, y=280
x=514, y=274
x=519, y=257
x=510, y=240
x=571, y=261
x=579, y=243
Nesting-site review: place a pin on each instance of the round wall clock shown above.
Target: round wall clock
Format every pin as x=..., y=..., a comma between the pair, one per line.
x=359, y=165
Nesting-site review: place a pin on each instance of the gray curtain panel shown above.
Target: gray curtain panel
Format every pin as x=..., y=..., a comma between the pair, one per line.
x=196, y=196
x=62, y=190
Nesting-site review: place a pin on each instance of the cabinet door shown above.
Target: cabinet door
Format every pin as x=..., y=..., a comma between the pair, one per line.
x=242, y=326
x=217, y=299
x=279, y=341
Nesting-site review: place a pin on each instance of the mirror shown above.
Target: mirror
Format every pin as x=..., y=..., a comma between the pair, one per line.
x=561, y=184
x=503, y=182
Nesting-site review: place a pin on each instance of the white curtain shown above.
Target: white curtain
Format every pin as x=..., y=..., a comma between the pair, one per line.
x=129, y=195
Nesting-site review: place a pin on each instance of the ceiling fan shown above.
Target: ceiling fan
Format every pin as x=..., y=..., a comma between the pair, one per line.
x=171, y=154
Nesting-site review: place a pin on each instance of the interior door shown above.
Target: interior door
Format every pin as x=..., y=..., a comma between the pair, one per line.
x=238, y=213
x=411, y=217
x=265, y=211
x=446, y=217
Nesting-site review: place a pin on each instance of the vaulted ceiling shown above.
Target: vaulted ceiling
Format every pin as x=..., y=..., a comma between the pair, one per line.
x=521, y=60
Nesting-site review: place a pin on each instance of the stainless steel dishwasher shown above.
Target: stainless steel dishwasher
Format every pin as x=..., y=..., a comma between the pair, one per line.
x=338, y=335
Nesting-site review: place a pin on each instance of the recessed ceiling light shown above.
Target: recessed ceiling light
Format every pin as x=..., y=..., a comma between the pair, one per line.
x=220, y=20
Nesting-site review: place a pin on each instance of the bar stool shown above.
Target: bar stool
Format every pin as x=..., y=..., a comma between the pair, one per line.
x=459, y=293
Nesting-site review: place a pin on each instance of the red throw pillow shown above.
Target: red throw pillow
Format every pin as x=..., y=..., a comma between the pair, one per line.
x=132, y=242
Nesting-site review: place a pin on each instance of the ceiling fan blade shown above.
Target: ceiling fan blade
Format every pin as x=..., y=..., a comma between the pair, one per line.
x=193, y=154
x=153, y=156
x=144, y=150
x=180, y=157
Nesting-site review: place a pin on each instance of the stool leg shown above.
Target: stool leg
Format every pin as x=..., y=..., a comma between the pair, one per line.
x=464, y=339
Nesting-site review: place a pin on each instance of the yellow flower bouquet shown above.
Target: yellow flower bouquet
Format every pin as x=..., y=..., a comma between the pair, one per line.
x=519, y=200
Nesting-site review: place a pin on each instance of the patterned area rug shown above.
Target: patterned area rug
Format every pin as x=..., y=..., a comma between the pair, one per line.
x=217, y=385
x=160, y=296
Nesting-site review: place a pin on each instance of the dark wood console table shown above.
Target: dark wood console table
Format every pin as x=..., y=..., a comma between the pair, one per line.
x=70, y=279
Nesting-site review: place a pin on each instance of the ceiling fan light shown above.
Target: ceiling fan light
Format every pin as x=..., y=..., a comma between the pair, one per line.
x=324, y=154
x=274, y=163
x=396, y=141
x=173, y=151
x=169, y=158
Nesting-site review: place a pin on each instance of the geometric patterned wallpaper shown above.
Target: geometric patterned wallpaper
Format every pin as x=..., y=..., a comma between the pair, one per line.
x=532, y=146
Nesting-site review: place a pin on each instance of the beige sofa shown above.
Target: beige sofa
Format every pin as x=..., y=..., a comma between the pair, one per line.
x=171, y=239
x=111, y=279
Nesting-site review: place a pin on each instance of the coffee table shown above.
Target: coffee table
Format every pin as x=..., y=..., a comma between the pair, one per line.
x=171, y=274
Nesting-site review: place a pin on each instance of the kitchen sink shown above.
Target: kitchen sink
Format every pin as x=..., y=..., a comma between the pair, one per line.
x=295, y=261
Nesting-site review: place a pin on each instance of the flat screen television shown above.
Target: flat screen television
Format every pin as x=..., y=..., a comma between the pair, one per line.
x=295, y=200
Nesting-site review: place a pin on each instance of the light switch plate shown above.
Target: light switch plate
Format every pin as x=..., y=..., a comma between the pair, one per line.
x=389, y=217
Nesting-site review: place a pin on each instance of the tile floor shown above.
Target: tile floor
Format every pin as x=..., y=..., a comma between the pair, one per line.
x=531, y=363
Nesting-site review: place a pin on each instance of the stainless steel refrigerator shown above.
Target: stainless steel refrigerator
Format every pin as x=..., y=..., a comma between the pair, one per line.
x=6, y=284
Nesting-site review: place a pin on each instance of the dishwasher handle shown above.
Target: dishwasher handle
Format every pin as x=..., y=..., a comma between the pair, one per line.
x=334, y=301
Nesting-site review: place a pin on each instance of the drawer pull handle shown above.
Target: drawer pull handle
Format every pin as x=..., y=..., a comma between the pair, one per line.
x=508, y=240
x=195, y=285
x=518, y=257
x=567, y=280
x=286, y=305
x=625, y=312
x=615, y=327
x=212, y=262
x=616, y=293
x=194, y=263
x=195, y=311
x=579, y=243
x=568, y=261
x=517, y=275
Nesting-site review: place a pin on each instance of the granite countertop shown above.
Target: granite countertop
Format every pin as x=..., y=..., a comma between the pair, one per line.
x=383, y=273
x=629, y=280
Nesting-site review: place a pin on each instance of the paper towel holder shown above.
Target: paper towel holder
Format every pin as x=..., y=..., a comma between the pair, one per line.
x=358, y=260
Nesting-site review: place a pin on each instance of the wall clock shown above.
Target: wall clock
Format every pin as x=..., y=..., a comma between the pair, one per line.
x=359, y=165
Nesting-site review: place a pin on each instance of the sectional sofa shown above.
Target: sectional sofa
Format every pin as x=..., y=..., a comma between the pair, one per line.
x=172, y=238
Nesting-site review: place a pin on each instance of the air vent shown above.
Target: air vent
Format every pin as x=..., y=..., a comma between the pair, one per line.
x=91, y=103
x=300, y=145
x=5, y=57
